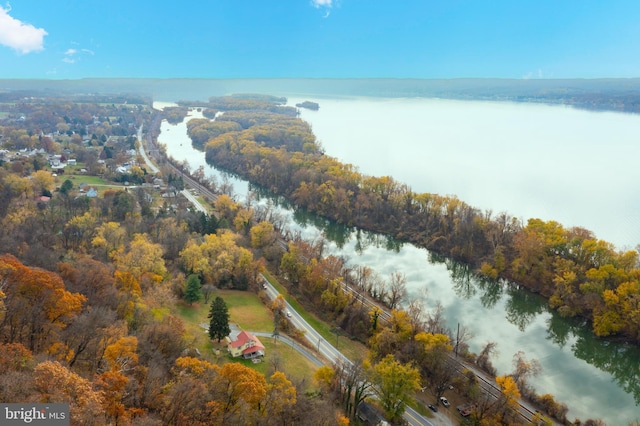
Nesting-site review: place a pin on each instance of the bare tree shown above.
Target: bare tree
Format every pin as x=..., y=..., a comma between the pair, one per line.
x=417, y=315
x=378, y=288
x=275, y=362
x=463, y=335
x=435, y=321
x=360, y=276
x=88, y=328
x=397, y=289
x=354, y=384
x=483, y=360
x=207, y=290
x=523, y=369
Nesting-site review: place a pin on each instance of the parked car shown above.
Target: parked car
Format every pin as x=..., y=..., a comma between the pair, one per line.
x=433, y=408
x=444, y=401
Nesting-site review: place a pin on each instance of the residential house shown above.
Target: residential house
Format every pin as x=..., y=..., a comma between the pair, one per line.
x=246, y=345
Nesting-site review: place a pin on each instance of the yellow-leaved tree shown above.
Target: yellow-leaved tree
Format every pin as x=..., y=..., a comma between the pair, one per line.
x=394, y=384
x=143, y=257
x=110, y=237
x=280, y=398
x=220, y=260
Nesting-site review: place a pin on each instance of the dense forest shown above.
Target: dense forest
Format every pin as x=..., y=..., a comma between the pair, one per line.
x=89, y=284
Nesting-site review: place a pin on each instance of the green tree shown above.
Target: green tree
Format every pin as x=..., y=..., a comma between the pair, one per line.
x=192, y=293
x=66, y=187
x=219, y=319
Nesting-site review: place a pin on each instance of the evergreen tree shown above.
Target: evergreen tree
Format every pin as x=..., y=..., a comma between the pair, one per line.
x=219, y=315
x=192, y=293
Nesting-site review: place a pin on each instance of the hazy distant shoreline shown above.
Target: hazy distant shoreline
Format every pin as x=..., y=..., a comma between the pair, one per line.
x=619, y=95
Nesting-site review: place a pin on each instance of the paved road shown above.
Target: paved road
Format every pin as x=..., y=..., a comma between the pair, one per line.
x=196, y=204
x=329, y=352
x=143, y=153
x=311, y=357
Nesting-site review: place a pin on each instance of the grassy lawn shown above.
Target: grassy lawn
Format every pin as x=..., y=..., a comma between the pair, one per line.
x=77, y=179
x=247, y=311
x=286, y=358
x=205, y=203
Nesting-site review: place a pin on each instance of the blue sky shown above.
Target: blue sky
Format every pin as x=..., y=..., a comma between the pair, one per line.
x=320, y=38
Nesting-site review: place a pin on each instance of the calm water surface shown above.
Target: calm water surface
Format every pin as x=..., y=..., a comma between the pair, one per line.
x=595, y=379
x=577, y=167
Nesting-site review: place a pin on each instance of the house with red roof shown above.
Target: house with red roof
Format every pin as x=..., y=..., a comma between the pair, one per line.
x=246, y=345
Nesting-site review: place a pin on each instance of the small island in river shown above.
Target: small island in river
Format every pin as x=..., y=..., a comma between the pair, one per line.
x=309, y=105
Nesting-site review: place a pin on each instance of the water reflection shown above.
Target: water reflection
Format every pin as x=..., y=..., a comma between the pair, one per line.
x=490, y=292
x=335, y=232
x=339, y=234
x=462, y=276
x=560, y=330
x=522, y=307
x=367, y=239
x=621, y=360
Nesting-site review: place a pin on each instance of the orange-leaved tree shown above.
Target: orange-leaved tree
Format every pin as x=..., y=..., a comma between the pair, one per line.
x=37, y=304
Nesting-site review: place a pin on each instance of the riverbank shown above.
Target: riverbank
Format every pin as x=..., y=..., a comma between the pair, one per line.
x=560, y=347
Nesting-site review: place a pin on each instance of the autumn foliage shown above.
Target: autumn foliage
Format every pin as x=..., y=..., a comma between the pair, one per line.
x=37, y=304
x=87, y=286
x=579, y=274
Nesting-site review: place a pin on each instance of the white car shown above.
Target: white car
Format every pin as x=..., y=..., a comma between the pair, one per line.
x=289, y=314
x=444, y=401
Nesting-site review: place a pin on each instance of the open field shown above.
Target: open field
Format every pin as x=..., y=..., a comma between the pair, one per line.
x=77, y=179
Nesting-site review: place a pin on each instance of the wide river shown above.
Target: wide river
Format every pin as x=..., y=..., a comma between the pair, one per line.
x=550, y=162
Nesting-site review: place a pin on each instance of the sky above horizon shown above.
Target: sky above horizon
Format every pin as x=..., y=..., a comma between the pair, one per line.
x=320, y=39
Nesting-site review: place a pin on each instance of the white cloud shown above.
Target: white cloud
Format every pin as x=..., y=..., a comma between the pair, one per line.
x=71, y=56
x=322, y=3
x=17, y=35
x=325, y=5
